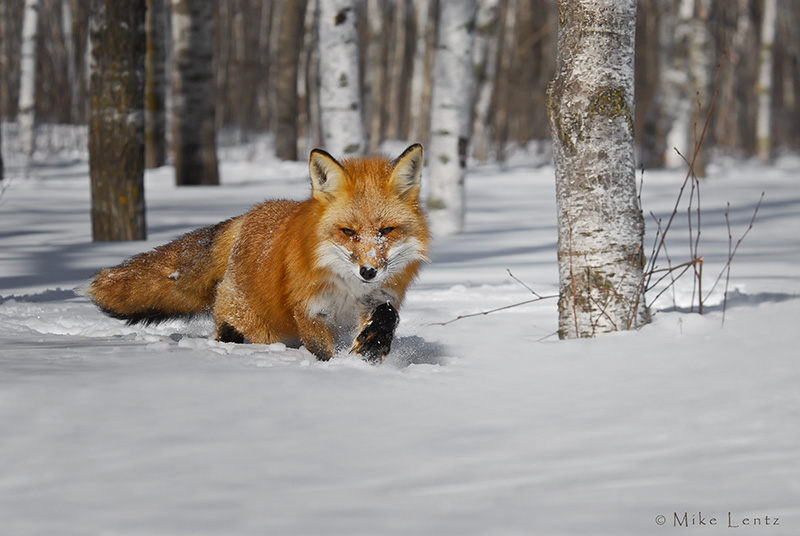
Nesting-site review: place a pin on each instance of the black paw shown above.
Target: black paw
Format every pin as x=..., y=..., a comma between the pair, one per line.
x=228, y=333
x=375, y=340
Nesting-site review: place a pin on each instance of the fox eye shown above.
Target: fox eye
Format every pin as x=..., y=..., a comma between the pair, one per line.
x=348, y=232
x=386, y=230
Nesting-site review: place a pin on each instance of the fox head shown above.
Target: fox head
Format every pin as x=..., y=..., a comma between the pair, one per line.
x=372, y=226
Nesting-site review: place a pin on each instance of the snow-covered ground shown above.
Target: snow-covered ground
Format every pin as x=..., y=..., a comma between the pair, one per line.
x=488, y=425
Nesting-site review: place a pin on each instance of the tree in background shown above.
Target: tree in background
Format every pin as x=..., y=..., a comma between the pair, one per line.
x=287, y=105
x=155, y=92
x=193, y=113
x=769, y=22
x=451, y=114
x=116, y=122
x=27, y=81
x=524, y=38
x=600, y=223
x=420, y=86
x=341, y=119
x=69, y=58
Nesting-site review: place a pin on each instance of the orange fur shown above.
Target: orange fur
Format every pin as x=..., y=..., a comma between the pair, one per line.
x=287, y=271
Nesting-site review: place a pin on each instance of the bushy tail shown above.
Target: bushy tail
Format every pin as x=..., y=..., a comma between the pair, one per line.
x=176, y=280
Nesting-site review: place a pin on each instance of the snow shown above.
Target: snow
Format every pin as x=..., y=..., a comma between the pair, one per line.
x=487, y=425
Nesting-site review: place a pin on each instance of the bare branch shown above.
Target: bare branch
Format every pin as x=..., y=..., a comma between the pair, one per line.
x=503, y=308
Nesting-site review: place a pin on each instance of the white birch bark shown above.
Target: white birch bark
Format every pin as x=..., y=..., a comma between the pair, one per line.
x=764, y=112
x=600, y=224
x=26, y=117
x=341, y=119
x=700, y=73
x=676, y=87
x=451, y=115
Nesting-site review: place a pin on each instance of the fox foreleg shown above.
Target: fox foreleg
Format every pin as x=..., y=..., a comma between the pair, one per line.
x=375, y=339
x=317, y=337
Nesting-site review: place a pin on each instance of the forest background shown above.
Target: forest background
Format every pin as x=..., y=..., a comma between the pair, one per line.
x=685, y=51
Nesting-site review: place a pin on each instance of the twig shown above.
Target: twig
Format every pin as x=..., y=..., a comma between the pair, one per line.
x=685, y=266
x=538, y=297
x=5, y=183
x=515, y=278
x=732, y=253
x=490, y=311
x=572, y=276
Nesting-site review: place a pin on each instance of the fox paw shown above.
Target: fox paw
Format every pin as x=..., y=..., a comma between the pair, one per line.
x=375, y=340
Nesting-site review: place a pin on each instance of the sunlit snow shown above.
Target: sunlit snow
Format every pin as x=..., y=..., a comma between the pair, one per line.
x=487, y=425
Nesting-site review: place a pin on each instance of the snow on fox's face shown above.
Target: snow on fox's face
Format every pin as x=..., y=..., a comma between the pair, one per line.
x=367, y=250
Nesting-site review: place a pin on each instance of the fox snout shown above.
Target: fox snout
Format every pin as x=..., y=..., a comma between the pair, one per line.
x=367, y=272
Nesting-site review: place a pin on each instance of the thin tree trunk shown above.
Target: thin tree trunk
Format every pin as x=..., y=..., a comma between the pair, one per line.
x=290, y=44
x=193, y=123
x=451, y=115
x=764, y=114
x=26, y=117
x=308, y=92
x=5, y=59
x=396, y=90
x=266, y=55
x=375, y=72
x=69, y=49
x=155, y=86
x=420, y=71
x=116, y=124
x=700, y=65
x=342, y=123
x=4, y=50
x=487, y=44
x=678, y=95
x=503, y=89
x=600, y=224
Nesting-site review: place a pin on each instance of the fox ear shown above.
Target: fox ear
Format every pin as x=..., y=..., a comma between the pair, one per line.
x=327, y=175
x=407, y=172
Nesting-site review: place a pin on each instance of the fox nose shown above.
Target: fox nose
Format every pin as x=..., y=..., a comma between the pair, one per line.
x=368, y=272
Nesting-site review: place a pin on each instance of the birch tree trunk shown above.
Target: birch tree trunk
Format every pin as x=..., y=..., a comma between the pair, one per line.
x=341, y=119
x=155, y=119
x=678, y=96
x=193, y=107
x=116, y=123
x=26, y=117
x=700, y=66
x=290, y=44
x=600, y=224
x=764, y=113
x=451, y=114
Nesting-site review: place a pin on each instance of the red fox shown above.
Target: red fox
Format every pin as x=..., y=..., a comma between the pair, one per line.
x=328, y=272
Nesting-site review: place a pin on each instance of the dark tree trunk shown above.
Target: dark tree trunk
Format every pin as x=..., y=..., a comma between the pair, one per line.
x=290, y=43
x=193, y=137
x=155, y=86
x=116, y=123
